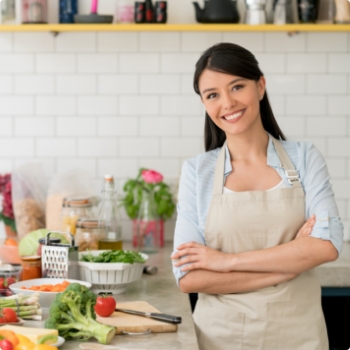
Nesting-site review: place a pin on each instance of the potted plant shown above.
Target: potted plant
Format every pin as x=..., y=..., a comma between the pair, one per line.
x=7, y=215
x=150, y=181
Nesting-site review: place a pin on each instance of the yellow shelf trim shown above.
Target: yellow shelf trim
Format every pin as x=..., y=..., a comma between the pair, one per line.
x=175, y=27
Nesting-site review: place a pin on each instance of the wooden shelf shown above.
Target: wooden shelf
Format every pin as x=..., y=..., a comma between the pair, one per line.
x=56, y=28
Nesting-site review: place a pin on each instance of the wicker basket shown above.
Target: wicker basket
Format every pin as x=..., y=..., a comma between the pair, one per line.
x=109, y=277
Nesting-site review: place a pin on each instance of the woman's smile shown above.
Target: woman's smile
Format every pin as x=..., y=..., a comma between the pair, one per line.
x=234, y=117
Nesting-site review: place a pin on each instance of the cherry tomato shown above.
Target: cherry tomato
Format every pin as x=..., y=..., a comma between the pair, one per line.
x=6, y=345
x=105, y=305
x=9, y=315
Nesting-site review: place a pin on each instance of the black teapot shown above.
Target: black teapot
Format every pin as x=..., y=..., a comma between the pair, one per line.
x=217, y=11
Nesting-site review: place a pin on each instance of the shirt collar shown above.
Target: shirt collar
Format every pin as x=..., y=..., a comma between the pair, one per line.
x=272, y=157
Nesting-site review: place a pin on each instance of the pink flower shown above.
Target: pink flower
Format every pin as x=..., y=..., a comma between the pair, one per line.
x=151, y=176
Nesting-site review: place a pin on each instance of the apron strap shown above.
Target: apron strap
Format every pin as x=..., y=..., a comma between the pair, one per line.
x=287, y=165
x=219, y=171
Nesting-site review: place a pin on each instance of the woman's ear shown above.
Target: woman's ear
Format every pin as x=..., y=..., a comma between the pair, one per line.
x=261, y=87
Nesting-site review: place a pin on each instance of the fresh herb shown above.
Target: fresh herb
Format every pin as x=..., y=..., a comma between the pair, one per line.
x=114, y=256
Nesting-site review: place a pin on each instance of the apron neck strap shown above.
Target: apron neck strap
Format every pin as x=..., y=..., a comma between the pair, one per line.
x=286, y=164
x=219, y=171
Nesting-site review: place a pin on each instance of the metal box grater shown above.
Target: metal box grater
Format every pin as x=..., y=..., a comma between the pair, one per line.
x=60, y=260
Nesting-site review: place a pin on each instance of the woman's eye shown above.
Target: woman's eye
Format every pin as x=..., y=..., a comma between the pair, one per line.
x=237, y=87
x=211, y=96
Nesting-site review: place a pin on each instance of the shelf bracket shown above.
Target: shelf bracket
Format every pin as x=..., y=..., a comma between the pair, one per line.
x=293, y=33
x=54, y=33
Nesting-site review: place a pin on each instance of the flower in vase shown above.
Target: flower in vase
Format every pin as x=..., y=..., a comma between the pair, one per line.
x=7, y=214
x=151, y=176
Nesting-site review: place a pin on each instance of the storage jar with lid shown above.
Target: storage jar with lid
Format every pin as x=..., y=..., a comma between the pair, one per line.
x=31, y=267
x=75, y=208
x=87, y=234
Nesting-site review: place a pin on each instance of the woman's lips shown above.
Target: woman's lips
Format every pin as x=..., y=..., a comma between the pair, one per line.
x=235, y=117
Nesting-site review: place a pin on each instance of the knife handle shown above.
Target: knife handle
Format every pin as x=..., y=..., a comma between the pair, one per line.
x=164, y=317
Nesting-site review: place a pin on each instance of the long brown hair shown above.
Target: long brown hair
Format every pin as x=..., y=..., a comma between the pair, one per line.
x=235, y=60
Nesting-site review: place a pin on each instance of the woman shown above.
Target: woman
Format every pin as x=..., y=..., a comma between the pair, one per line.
x=241, y=239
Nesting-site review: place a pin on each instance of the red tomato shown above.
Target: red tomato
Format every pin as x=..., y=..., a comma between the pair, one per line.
x=2, y=320
x=9, y=315
x=6, y=345
x=9, y=281
x=105, y=305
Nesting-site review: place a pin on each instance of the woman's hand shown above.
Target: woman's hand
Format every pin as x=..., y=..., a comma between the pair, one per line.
x=306, y=229
x=198, y=256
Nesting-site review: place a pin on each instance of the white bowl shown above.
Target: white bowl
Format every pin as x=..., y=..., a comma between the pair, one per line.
x=109, y=277
x=45, y=298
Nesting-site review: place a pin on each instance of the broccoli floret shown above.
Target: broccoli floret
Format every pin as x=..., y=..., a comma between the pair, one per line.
x=72, y=314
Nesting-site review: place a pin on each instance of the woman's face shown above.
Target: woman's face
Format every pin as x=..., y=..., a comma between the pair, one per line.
x=231, y=102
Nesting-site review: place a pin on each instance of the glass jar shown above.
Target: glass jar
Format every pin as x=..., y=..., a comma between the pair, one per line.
x=31, y=267
x=42, y=242
x=34, y=11
x=75, y=208
x=87, y=234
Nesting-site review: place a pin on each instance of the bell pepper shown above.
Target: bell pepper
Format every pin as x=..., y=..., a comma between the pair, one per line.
x=10, y=336
x=44, y=347
x=24, y=343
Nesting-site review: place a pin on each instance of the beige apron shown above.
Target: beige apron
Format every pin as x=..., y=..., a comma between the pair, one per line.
x=284, y=316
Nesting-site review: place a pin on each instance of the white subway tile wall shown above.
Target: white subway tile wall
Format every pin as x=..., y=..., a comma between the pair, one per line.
x=114, y=102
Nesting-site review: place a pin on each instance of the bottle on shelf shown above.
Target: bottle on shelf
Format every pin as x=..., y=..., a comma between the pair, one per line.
x=149, y=11
x=8, y=12
x=109, y=219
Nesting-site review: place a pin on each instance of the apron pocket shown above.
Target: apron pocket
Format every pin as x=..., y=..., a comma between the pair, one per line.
x=218, y=328
x=295, y=325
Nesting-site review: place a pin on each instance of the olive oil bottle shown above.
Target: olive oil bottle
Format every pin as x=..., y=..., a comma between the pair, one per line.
x=109, y=219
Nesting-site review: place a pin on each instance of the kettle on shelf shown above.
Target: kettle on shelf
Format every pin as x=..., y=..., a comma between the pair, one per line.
x=217, y=11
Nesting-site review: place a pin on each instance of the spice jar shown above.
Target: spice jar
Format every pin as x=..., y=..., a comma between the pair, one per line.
x=31, y=267
x=42, y=241
x=87, y=234
x=75, y=208
x=34, y=11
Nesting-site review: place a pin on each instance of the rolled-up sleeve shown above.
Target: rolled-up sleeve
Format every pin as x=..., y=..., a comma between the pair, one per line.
x=187, y=228
x=319, y=198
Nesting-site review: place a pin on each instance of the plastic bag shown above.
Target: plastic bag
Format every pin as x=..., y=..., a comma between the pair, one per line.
x=76, y=182
x=29, y=188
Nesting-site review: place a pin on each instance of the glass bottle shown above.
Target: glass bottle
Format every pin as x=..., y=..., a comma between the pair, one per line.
x=68, y=9
x=147, y=226
x=149, y=11
x=7, y=11
x=109, y=219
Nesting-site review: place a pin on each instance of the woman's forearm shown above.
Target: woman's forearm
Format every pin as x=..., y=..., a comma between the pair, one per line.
x=210, y=282
x=296, y=256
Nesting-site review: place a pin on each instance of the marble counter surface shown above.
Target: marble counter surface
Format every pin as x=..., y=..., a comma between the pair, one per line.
x=336, y=273
x=161, y=291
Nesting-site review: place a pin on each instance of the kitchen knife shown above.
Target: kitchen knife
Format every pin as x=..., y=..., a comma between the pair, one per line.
x=154, y=315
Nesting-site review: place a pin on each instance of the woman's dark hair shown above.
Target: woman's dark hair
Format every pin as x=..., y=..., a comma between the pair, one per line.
x=234, y=60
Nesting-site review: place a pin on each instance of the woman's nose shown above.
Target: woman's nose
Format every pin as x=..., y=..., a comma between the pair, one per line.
x=228, y=101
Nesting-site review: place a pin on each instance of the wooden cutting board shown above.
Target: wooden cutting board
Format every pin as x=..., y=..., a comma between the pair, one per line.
x=134, y=323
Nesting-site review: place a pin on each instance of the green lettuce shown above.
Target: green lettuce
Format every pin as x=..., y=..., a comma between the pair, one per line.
x=29, y=244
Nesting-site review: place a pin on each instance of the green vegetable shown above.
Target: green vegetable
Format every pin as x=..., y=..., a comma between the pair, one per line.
x=114, y=256
x=29, y=244
x=72, y=314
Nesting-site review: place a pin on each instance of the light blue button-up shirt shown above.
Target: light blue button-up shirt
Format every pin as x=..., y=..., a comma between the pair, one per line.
x=197, y=178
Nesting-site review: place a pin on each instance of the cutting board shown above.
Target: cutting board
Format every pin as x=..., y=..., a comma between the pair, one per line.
x=133, y=323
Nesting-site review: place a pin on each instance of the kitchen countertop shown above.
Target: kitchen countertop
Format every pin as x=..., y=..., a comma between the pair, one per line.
x=160, y=290
x=336, y=273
